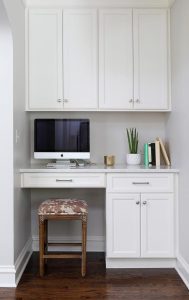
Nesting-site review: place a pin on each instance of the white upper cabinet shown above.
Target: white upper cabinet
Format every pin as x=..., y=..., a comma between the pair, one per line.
x=151, y=85
x=116, y=59
x=62, y=59
x=44, y=87
x=80, y=59
x=105, y=59
x=134, y=59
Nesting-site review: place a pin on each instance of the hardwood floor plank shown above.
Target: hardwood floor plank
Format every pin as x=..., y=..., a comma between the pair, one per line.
x=63, y=280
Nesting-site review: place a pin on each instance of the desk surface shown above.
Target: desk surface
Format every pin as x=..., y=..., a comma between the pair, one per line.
x=100, y=169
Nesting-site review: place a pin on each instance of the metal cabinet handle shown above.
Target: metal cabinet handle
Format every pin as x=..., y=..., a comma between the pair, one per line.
x=59, y=100
x=66, y=100
x=137, y=100
x=144, y=202
x=140, y=183
x=63, y=180
x=131, y=101
x=137, y=202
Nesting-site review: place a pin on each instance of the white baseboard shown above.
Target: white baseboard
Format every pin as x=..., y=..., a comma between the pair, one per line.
x=10, y=275
x=7, y=276
x=182, y=267
x=22, y=260
x=140, y=263
x=94, y=243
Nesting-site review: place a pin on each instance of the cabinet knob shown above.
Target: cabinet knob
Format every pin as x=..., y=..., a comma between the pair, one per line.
x=137, y=100
x=137, y=202
x=66, y=100
x=59, y=100
x=144, y=202
x=131, y=101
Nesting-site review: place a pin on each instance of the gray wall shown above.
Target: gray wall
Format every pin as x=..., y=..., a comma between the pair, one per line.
x=178, y=120
x=6, y=134
x=22, y=220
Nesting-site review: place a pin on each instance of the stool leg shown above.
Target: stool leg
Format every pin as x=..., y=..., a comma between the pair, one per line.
x=84, y=242
x=41, y=245
x=46, y=238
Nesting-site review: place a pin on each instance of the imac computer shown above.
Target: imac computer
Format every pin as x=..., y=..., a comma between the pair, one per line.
x=62, y=139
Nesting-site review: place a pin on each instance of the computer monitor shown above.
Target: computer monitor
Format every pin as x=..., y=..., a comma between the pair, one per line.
x=61, y=139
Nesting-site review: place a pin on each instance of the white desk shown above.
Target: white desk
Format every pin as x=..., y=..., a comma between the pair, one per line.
x=140, y=208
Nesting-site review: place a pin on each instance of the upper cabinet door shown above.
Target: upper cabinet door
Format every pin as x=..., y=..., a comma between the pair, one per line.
x=116, y=59
x=151, y=64
x=44, y=90
x=80, y=58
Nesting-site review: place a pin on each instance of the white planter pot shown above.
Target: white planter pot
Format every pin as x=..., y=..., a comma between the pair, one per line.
x=133, y=159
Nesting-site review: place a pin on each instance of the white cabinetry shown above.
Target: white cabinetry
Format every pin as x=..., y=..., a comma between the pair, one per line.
x=44, y=61
x=123, y=225
x=157, y=225
x=151, y=64
x=62, y=180
x=134, y=59
x=139, y=224
x=116, y=59
x=62, y=59
x=80, y=58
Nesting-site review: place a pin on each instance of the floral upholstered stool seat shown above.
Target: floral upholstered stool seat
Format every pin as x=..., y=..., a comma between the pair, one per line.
x=61, y=209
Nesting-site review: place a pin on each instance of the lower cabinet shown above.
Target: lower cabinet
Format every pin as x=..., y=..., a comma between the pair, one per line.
x=140, y=225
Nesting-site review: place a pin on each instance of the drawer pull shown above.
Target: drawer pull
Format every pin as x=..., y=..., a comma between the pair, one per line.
x=64, y=180
x=140, y=183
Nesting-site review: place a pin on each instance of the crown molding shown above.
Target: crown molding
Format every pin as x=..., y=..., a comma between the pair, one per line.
x=99, y=3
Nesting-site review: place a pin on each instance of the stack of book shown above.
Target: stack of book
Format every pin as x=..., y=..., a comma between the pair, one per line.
x=152, y=154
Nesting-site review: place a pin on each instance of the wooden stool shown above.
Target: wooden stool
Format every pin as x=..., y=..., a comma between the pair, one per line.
x=61, y=209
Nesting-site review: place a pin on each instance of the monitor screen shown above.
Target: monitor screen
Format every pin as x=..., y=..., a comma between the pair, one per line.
x=61, y=138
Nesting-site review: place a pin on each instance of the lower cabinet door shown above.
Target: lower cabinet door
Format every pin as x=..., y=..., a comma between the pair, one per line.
x=157, y=225
x=123, y=225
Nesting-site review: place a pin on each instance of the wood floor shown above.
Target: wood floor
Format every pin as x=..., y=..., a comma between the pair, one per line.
x=63, y=281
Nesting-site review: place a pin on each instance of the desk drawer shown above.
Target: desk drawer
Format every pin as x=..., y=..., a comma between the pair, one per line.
x=60, y=180
x=140, y=183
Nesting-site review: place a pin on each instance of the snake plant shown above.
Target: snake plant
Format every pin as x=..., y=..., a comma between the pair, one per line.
x=132, y=136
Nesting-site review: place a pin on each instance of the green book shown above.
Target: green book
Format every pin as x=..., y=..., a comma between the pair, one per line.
x=146, y=159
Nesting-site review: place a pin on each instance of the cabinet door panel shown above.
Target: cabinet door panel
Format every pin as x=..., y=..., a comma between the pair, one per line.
x=123, y=225
x=80, y=58
x=157, y=225
x=45, y=59
x=116, y=59
x=150, y=59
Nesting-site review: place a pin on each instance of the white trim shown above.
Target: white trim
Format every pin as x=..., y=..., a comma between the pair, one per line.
x=99, y=3
x=140, y=263
x=182, y=267
x=22, y=260
x=26, y=59
x=7, y=276
x=94, y=243
x=11, y=274
x=176, y=213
